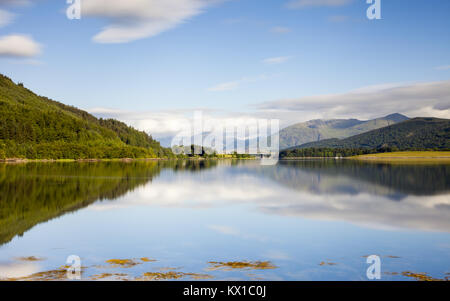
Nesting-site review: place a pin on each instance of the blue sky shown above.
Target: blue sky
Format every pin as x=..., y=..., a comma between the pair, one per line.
x=242, y=56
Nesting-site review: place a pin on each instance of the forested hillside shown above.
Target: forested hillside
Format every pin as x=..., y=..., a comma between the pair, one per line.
x=36, y=127
x=413, y=134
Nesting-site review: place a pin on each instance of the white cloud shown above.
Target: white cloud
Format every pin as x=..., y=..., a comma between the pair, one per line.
x=136, y=19
x=276, y=60
x=447, y=67
x=21, y=46
x=166, y=124
x=160, y=124
x=280, y=29
x=6, y=18
x=298, y=4
x=233, y=85
x=414, y=100
x=106, y=111
x=213, y=194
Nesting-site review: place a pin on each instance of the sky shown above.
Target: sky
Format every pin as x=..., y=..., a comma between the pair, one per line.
x=151, y=63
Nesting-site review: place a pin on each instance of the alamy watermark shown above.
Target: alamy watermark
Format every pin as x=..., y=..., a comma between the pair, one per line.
x=374, y=270
x=374, y=10
x=251, y=136
x=73, y=12
x=74, y=267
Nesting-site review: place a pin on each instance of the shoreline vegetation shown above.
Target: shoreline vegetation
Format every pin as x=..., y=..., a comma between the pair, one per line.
x=412, y=157
x=401, y=156
x=407, y=155
x=432, y=156
x=194, y=158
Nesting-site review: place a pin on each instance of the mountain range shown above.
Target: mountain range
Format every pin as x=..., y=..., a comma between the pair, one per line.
x=316, y=130
x=312, y=131
x=412, y=134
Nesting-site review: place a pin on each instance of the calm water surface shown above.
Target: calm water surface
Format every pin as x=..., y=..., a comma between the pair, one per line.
x=298, y=220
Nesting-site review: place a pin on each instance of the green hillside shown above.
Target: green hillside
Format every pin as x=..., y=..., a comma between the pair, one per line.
x=36, y=127
x=413, y=134
x=316, y=130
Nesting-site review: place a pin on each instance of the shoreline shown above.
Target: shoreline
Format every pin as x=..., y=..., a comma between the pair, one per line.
x=388, y=156
x=365, y=158
x=312, y=158
x=23, y=161
x=382, y=157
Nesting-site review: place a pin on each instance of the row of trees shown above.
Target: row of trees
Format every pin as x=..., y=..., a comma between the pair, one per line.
x=326, y=152
x=196, y=151
x=65, y=150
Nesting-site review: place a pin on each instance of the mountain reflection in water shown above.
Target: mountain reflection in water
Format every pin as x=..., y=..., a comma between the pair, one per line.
x=369, y=194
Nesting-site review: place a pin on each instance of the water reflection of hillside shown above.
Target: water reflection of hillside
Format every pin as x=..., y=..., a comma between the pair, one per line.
x=353, y=177
x=37, y=192
x=307, y=195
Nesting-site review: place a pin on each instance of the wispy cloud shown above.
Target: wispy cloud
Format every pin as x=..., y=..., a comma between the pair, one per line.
x=26, y=61
x=19, y=46
x=160, y=124
x=419, y=99
x=225, y=86
x=6, y=18
x=276, y=60
x=447, y=67
x=299, y=4
x=233, y=85
x=414, y=100
x=166, y=124
x=137, y=19
x=280, y=30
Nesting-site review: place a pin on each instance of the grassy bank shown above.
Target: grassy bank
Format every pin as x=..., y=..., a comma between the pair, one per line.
x=22, y=160
x=411, y=156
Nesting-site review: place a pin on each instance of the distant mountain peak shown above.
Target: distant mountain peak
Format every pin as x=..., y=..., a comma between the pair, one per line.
x=397, y=117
